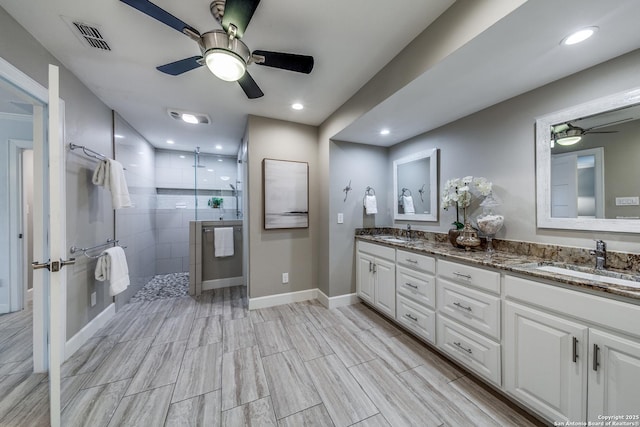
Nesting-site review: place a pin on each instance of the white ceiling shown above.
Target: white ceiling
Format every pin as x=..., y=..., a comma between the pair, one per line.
x=517, y=54
x=350, y=41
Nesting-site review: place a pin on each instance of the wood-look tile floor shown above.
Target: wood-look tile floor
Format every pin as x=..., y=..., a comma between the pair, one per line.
x=210, y=362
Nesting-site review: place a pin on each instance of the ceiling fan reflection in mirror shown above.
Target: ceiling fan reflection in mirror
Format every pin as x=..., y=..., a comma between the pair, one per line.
x=223, y=51
x=569, y=134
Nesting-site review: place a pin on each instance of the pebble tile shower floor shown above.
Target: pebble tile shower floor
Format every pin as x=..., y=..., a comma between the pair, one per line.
x=209, y=361
x=163, y=286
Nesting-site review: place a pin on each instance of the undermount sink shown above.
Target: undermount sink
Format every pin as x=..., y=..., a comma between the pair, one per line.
x=391, y=239
x=592, y=274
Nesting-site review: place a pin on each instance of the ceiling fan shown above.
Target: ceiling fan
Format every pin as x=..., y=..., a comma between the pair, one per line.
x=222, y=51
x=568, y=134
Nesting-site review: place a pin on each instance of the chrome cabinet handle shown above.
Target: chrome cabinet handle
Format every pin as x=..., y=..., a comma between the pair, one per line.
x=596, y=353
x=374, y=269
x=411, y=285
x=461, y=347
x=414, y=318
x=575, y=349
x=413, y=261
x=370, y=268
x=466, y=276
x=463, y=307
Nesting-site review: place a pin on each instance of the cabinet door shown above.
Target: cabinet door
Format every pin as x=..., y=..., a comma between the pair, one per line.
x=385, y=287
x=364, y=282
x=614, y=375
x=546, y=362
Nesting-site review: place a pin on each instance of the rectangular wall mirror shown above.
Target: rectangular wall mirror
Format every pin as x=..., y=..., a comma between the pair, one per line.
x=415, y=187
x=587, y=165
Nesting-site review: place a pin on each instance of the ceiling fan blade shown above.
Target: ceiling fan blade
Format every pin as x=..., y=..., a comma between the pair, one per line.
x=286, y=61
x=250, y=87
x=600, y=131
x=238, y=13
x=156, y=12
x=182, y=66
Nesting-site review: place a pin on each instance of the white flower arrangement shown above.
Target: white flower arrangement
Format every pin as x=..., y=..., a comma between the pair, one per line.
x=460, y=191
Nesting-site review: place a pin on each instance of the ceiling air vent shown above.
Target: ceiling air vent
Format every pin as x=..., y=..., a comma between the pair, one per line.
x=90, y=35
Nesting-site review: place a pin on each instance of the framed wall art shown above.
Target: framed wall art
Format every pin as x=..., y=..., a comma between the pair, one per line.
x=286, y=194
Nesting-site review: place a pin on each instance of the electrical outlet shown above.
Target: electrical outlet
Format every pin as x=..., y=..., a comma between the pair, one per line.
x=627, y=201
x=340, y=218
x=93, y=299
x=285, y=277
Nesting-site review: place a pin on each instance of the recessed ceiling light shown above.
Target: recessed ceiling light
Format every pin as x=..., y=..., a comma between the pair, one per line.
x=209, y=170
x=119, y=136
x=224, y=178
x=189, y=118
x=297, y=106
x=219, y=160
x=218, y=147
x=170, y=141
x=141, y=152
x=579, y=36
x=384, y=132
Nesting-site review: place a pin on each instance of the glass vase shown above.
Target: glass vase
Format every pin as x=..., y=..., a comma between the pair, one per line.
x=468, y=236
x=490, y=222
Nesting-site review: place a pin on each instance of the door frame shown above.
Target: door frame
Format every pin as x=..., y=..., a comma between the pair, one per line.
x=18, y=247
x=20, y=80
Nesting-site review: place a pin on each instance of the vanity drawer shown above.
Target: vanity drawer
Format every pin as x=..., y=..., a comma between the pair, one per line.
x=474, y=351
x=423, y=263
x=471, y=276
x=470, y=307
x=416, y=318
x=418, y=286
x=377, y=250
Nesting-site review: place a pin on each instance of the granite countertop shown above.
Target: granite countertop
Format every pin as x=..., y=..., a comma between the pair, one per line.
x=507, y=261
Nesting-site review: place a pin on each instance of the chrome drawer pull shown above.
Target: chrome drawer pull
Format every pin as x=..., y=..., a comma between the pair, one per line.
x=411, y=285
x=575, y=350
x=596, y=353
x=464, y=307
x=414, y=318
x=457, y=344
x=466, y=276
x=411, y=260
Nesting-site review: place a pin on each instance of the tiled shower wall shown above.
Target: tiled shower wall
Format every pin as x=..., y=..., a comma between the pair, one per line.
x=135, y=226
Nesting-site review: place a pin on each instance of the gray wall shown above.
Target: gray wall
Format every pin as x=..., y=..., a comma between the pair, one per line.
x=135, y=226
x=273, y=252
x=365, y=166
x=87, y=122
x=499, y=144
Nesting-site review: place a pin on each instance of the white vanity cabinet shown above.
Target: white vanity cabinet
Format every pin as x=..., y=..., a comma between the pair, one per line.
x=468, y=319
x=416, y=293
x=376, y=276
x=569, y=355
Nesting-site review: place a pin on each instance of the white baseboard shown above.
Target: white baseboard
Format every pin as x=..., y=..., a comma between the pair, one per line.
x=207, y=285
x=83, y=335
x=337, y=301
x=309, y=294
x=279, y=299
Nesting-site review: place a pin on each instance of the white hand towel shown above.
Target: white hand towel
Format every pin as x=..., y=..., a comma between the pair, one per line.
x=223, y=241
x=110, y=175
x=407, y=203
x=370, y=204
x=112, y=266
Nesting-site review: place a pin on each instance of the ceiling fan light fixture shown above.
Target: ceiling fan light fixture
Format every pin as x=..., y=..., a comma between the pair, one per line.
x=225, y=65
x=568, y=140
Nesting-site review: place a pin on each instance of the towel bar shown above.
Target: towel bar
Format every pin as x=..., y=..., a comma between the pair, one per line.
x=75, y=249
x=210, y=230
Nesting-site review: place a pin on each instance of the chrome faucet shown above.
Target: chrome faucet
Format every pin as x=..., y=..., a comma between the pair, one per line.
x=408, y=231
x=601, y=254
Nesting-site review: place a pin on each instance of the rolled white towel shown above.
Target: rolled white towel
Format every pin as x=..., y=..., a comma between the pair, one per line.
x=112, y=266
x=370, y=204
x=407, y=204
